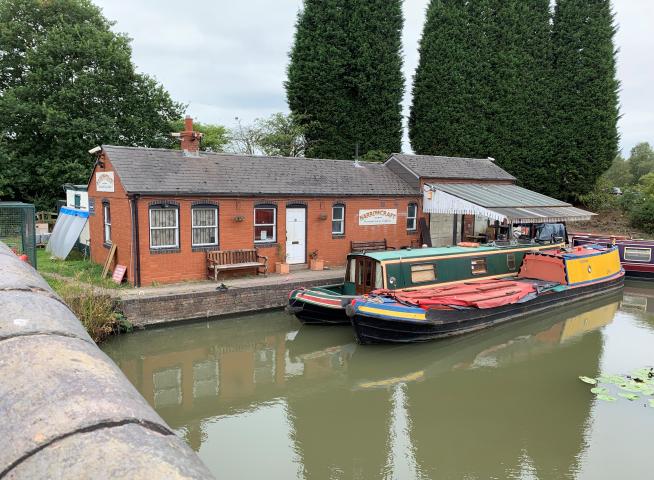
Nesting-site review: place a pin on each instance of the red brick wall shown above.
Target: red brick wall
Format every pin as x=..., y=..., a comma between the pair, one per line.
x=187, y=264
x=121, y=228
x=190, y=265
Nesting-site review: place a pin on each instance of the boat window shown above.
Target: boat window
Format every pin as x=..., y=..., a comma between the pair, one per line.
x=510, y=261
x=423, y=273
x=638, y=254
x=379, y=280
x=351, y=271
x=478, y=266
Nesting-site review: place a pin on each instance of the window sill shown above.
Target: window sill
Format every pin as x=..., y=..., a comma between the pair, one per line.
x=265, y=244
x=205, y=248
x=411, y=232
x=338, y=236
x=158, y=251
x=106, y=245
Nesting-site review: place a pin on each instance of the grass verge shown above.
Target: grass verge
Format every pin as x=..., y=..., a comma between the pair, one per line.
x=75, y=267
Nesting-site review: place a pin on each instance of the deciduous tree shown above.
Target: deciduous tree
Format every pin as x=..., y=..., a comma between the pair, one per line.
x=67, y=83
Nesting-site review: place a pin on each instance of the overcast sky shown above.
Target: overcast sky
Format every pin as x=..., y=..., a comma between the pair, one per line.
x=228, y=59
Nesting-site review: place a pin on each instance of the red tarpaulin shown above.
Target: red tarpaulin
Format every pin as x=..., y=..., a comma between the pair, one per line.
x=485, y=294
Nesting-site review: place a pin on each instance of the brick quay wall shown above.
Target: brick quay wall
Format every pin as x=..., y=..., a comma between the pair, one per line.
x=153, y=310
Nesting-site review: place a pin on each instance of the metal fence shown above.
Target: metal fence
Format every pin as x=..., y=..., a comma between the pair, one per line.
x=17, y=228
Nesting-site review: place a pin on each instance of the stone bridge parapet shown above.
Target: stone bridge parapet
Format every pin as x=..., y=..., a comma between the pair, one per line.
x=67, y=410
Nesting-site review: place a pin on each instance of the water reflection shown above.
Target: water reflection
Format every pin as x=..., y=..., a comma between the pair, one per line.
x=495, y=404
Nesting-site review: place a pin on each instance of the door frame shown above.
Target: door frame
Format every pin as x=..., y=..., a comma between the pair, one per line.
x=306, y=230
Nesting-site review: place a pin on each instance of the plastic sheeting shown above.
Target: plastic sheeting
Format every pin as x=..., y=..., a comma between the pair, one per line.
x=549, y=231
x=66, y=231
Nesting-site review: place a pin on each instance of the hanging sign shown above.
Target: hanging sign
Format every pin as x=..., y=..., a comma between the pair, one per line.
x=378, y=216
x=104, y=181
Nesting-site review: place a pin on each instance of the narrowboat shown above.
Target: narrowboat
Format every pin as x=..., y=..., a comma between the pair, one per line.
x=398, y=269
x=546, y=279
x=635, y=255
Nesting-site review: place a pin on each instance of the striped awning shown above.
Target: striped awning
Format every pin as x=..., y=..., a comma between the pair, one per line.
x=502, y=202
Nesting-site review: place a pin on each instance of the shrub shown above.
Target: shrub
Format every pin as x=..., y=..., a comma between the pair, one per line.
x=95, y=310
x=641, y=216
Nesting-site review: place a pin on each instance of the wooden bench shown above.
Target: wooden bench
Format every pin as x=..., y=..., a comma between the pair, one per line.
x=369, y=246
x=222, y=260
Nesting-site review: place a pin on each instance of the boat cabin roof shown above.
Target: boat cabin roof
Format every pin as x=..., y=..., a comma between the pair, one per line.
x=426, y=252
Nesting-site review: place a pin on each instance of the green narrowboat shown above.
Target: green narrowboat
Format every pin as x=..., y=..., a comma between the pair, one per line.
x=405, y=269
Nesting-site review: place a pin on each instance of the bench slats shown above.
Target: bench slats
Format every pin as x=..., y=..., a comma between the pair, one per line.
x=369, y=246
x=220, y=260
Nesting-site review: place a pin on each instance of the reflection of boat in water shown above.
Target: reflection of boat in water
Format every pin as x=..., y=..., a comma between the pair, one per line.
x=546, y=279
x=338, y=398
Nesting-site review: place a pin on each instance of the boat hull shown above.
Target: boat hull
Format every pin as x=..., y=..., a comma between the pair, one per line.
x=641, y=270
x=443, y=324
x=310, y=314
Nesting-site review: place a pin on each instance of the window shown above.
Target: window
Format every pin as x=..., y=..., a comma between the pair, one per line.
x=107, y=223
x=411, y=217
x=510, y=261
x=164, y=227
x=379, y=277
x=633, y=254
x=205, y=226
x=338, y=219
x=423, y=273
x=478, y=266
x=78, y=200
x=265, y=224
x=351, y=270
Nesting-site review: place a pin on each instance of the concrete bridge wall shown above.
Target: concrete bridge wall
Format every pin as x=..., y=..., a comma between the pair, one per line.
x=66, y=410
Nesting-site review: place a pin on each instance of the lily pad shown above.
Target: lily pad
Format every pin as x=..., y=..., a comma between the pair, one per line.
x=628, y=396
x=588, y=380
x=614, y=379
x=599, y=390
x=631, y=387
x=651, y=402
x=606, y=398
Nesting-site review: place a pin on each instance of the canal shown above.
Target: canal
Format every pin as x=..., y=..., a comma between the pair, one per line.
x=264, y=397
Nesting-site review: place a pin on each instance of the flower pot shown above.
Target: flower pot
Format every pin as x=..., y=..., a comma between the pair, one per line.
x=282, y=268
x=317, y=264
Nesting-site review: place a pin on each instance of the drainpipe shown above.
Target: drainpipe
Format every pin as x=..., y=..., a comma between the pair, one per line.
x=135, y=240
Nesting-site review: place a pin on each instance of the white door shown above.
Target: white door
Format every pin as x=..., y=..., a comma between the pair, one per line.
x=296, y=235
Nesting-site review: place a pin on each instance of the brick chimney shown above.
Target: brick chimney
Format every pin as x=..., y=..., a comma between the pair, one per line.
x=190, y=139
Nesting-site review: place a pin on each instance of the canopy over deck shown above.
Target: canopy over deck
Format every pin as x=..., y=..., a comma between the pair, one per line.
x=502, y=202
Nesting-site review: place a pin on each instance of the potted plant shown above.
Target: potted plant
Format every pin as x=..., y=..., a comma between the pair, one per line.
x=315, y=263
x=281, y=266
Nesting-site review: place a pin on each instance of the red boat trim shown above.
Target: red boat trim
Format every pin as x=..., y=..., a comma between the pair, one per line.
x=319, y=300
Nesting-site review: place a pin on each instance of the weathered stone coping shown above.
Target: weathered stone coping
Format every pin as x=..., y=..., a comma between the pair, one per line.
x=67, y=410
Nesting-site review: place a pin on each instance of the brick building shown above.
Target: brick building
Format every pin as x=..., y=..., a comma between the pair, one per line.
x=163, y=209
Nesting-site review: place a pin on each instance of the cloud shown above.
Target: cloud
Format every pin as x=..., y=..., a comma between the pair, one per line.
x=228, y=59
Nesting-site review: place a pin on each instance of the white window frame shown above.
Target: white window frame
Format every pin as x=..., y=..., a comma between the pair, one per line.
x=274, y=224
x=106, y=207
x=162, y=247
x=640, y=249
x=194, y=227
x=413, y=218
x=342, y=219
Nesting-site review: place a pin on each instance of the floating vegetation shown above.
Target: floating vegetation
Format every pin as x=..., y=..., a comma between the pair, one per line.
x=639, y=384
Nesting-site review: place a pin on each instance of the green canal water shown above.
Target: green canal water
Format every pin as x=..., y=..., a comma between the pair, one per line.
x=264, y=397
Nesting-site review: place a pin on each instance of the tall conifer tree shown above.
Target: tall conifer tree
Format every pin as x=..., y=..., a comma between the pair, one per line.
x=481, y=86
x=585, y=91
x=344, y=79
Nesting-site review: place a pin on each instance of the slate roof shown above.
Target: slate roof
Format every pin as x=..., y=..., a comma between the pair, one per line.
x=163, y=171
x=430, y=166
